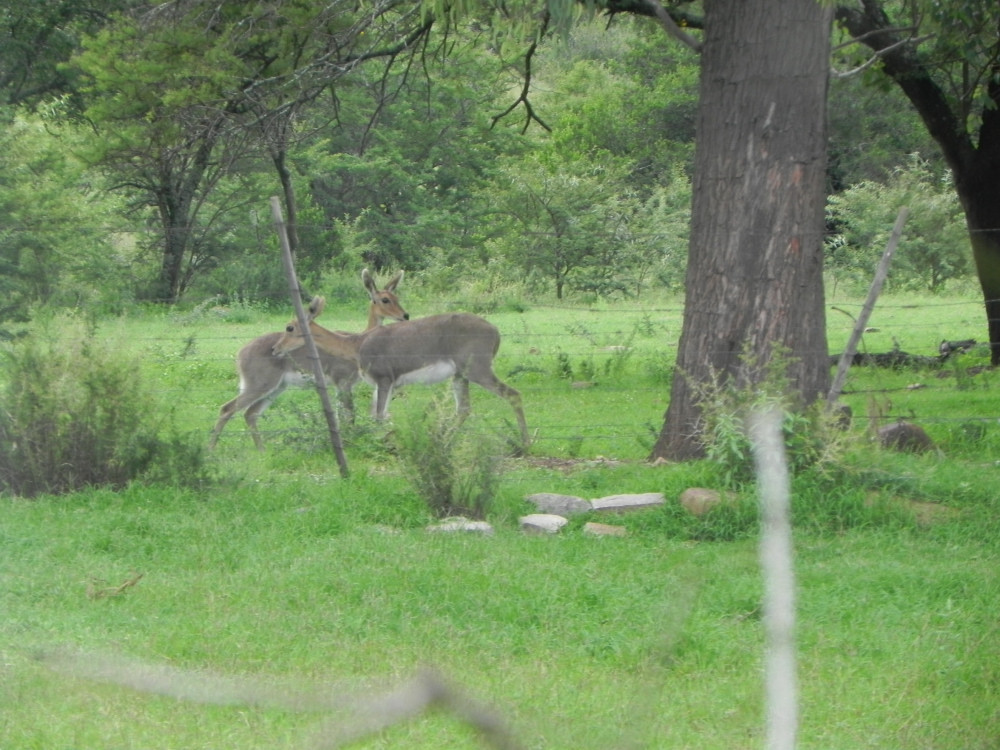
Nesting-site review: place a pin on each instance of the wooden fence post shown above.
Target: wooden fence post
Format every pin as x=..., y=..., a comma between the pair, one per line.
x=311, y=351
x=859, y=325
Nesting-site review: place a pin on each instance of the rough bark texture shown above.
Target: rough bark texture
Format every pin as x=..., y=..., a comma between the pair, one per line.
x=755, y=260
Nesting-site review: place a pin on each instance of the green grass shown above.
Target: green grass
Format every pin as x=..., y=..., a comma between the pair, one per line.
x=284, y=574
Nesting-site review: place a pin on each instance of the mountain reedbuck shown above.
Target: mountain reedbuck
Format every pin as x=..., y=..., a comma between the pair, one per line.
x=264, y=375
x=426, y=350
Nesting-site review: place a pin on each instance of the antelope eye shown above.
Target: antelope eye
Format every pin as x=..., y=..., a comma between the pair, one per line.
x=385, y=300
x=289, y=329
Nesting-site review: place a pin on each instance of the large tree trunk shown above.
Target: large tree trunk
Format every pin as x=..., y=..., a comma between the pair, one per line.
x=755, y=259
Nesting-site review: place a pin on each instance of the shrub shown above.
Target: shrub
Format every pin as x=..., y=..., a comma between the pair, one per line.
x=935, y=249
x=455, y=469
x=76, y=414
x=811, y=436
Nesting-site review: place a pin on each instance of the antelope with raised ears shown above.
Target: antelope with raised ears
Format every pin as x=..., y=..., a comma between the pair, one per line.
x=264, y=375
x=426, y=350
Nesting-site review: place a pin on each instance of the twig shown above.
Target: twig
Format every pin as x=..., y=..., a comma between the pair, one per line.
x=94, y=592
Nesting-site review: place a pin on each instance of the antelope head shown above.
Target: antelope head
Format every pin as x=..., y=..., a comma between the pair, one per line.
x=338, y=344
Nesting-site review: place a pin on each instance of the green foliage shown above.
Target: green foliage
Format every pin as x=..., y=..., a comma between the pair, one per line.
x=812, y=439
x=58, y=244
x=454, y=468
x=873, y=131
x=76, y=414
x=935, y=245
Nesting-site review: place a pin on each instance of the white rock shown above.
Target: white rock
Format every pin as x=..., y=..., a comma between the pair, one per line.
x=542, y=523
x=452, y=525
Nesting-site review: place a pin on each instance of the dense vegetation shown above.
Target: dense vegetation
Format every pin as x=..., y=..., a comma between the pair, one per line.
x=415, y=169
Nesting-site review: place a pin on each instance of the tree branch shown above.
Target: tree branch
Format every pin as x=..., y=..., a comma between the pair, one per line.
x=670, y=26
x=870, y=25
x=531, y=115
x=878, y=55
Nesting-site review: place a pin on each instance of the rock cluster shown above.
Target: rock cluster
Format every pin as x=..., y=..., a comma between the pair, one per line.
x=554, y=511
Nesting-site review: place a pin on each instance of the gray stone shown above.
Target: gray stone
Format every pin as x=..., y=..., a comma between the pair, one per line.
x=905, y=437
x=622, y=503
x=561, y=505
x=699, y=500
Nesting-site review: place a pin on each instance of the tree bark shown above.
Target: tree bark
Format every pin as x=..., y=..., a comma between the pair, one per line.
x=754, y=281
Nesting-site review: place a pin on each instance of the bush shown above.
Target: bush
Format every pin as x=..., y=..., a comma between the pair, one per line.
x=75, y=414
x=811, y=434
x=935, y=247
x=454, y=469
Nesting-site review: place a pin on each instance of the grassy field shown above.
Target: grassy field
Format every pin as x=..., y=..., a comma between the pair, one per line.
x=280, y=577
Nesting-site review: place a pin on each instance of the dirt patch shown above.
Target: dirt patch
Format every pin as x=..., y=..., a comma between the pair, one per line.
x=567, y=465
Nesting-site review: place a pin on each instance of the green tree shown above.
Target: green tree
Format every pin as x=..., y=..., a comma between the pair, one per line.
x=181, y=92
x=56, y=240
x=567, y=223
x=37, y=36
x=945, y=58
x=408, y=156
x=933, y=249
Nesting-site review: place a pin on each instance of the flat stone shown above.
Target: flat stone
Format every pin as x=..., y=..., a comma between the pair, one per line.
x=542, y=523
x=453, y=525
x=560, y=505
x=622, y=503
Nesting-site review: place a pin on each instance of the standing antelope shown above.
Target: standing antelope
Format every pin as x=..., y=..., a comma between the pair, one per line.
x=264, y=375
x=426, y=350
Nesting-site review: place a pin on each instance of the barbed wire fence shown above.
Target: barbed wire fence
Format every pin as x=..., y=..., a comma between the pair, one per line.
x=543, y=363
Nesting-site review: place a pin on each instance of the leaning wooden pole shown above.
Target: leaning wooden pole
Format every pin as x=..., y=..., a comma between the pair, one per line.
x=311, y=351
x=873, y=292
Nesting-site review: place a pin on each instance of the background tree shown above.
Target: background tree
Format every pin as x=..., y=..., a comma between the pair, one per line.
x=945, y=57
x=181, y=91
x=37, y=37
x=934, y=252
x=58, y=233
x=564, y=225
x=405, y=156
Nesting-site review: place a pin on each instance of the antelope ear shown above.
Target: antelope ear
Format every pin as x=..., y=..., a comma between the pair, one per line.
x=316, y=306
x=394, y=282
x=369, y=281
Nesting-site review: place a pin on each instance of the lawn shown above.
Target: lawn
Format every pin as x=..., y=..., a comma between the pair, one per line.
x=281, y=579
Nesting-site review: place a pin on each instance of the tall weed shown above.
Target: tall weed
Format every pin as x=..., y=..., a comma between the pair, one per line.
x=812, y=438
x=454, y=468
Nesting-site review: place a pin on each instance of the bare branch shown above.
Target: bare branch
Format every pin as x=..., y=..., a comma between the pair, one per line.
x=367, y=715
x=670, y=26
x=531, y=115
x=878, y=55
